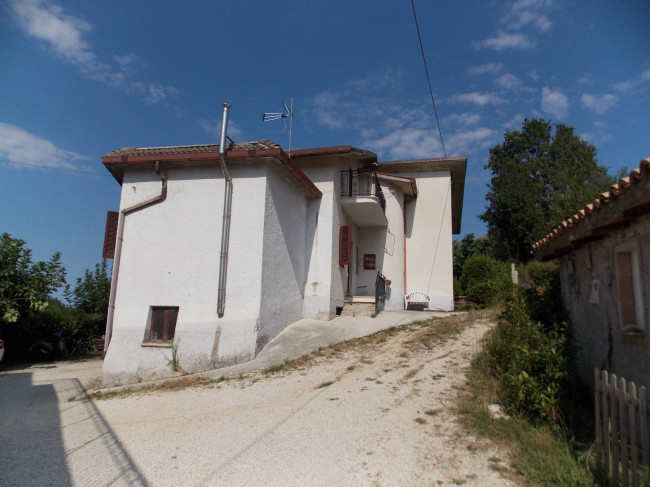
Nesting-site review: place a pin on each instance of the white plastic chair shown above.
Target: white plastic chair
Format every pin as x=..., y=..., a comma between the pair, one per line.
x=417, y=299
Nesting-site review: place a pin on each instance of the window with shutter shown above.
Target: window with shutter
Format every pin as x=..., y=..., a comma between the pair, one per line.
x=628, y=283
x=345, y=244
x=162, y=326
x=110, y=234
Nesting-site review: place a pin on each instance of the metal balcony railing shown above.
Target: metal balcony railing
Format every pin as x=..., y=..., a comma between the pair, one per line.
x=362, y=182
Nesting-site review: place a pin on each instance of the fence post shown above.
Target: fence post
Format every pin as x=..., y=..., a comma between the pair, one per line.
x=643, y=412
x=599, y=424
x=613, y=424
x=624, y=449
x=605, y=424
x=634, y=451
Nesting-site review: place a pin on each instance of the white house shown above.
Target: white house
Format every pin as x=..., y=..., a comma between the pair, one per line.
x=302, y=236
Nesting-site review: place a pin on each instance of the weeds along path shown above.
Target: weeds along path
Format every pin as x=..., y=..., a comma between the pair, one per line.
x=374, y=411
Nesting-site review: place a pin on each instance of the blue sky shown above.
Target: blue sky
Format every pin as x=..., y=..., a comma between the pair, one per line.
x=79, y=79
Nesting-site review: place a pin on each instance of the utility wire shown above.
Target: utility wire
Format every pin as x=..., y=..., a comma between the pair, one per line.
x=53, y=168
x=426, y=68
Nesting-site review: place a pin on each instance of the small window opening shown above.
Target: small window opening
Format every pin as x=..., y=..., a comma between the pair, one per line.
x=162, y=325
x=629, y=291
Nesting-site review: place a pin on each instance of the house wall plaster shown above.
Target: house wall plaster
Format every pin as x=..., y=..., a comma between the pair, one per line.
x=284, y=260
x=323, y=289
x=170, y=257
x=596, y=327
x=429, y=259
x=393, y=267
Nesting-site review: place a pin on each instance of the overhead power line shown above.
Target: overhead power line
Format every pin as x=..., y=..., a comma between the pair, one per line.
x=53, y=168
x=426, y=69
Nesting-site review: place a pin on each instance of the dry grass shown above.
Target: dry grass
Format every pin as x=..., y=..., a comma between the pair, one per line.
x=425, y=333
x=169, y=386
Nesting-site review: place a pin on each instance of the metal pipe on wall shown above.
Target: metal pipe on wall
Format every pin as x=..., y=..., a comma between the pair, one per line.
x=227, y=203
x=118, y=250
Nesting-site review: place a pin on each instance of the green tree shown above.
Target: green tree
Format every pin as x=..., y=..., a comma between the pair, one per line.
x=468, y=246
x=89, y=301
x=541, y=175
x=25, y=285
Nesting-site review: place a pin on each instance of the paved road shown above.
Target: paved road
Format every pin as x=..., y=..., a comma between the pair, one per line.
x=45, y=439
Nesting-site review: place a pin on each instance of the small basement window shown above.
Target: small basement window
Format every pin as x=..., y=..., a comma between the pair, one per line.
x=161, y=325
x=628, y=283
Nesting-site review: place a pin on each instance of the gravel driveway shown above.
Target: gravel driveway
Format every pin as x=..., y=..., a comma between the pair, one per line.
x=378, y=413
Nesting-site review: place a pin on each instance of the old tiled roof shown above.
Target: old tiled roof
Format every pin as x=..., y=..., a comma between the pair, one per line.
x=605, y=198
x=191, y=149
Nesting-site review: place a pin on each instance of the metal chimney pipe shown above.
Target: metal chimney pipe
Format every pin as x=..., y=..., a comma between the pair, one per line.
x=227, y=202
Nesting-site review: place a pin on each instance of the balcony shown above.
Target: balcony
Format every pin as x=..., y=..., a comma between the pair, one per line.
x=362, y=198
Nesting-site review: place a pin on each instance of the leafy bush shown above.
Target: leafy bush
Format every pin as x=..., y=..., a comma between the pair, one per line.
x=543, y=293
x=531, y=358
x=485, y=280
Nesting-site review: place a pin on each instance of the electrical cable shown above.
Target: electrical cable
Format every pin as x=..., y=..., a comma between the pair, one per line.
x=426, y=69
x=53, y=168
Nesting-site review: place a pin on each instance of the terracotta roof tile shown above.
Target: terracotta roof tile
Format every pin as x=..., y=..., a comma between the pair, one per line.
x=614, y=192
x=191, y=149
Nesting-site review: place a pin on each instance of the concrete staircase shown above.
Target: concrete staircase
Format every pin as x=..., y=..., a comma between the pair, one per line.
x=359, y=306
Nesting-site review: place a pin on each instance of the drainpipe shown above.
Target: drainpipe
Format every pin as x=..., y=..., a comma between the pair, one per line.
x=405, y=292
x=227, y=202
x=118, y=249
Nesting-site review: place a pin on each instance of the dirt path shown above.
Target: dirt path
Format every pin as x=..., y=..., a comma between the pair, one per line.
x=378, y=413
x=374, y=412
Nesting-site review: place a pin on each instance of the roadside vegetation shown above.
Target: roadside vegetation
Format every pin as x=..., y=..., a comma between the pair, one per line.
x=540, y=175
x=31, y=309
x=526, y=368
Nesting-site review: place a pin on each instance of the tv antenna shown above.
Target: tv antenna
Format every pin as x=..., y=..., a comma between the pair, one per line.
x=287, y=113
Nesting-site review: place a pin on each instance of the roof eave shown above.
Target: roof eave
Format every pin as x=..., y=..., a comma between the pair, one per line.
x=457, y=167
x=116, y=164
x=599, y=216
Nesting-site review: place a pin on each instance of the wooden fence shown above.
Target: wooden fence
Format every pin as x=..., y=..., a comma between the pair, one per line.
x=622, y=436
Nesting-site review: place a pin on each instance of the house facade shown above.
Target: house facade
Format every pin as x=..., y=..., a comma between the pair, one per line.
x=307, y=234
x=604, y=263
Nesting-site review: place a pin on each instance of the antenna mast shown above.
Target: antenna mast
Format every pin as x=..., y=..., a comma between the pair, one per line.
x=287, y=113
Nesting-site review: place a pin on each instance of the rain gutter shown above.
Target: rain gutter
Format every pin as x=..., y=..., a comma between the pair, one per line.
x=118, y=249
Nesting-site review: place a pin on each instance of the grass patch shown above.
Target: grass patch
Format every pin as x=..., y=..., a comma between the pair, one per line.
x=420, y=420
x=169, y=386
x=325, y=384
x=436, y=331
x=539, y=453
x=433, y=412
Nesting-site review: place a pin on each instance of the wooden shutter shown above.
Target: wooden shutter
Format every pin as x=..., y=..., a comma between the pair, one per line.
x=625, y=284
x=345, y=244
x=110, y=234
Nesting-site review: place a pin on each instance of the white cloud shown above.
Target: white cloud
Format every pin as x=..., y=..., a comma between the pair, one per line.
x=526, y=14
x=480, y=99
x=468, y=141
x=463, y=119
x=66, y=34
x=508, y=81
x=514, y=123
x=213, y=127
x=329, y=111
x=407, y=143
x=489, y=68
x=522, y=20
x=49, y=23
x=18, y=145
x=599, y=104
x=403, y=129
x=507, y=40
x=555, y=102
x=631, y=85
